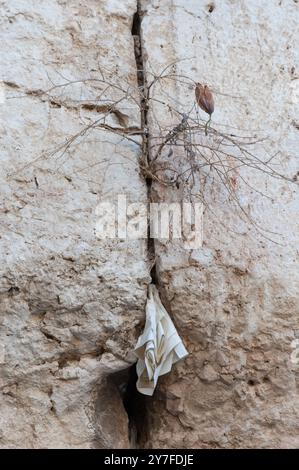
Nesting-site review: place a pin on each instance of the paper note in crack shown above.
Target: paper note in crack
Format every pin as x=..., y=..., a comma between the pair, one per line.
x=158, y=347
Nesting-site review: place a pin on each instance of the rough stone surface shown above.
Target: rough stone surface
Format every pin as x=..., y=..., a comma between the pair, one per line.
x=72, y=305
x=235, y=300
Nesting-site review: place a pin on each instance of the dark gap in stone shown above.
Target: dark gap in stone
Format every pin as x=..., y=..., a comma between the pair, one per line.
x=252, y=382
x=136, y=33
x=154, y=275
x=144, y=99
x=136, y=24
x=135, y=405
x=13, y=290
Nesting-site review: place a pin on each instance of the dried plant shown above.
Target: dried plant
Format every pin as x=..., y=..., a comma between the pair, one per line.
x=175, y=156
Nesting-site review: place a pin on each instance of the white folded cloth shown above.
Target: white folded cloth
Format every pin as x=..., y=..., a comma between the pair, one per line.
x=158, y=347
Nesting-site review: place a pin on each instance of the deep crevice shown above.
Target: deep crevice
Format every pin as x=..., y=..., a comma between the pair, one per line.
x=136, y=407
x=144, y=98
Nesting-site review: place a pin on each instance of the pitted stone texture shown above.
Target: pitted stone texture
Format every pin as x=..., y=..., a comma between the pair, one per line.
x=71, y=304
x=235, y=300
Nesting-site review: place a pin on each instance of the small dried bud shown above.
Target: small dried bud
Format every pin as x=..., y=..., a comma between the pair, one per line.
x=204, y=98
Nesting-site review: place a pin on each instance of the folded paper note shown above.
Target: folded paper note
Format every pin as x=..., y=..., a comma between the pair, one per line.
x=158, y=347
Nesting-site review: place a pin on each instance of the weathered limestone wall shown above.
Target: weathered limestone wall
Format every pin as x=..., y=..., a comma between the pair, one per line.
x=70, y=303
x=235, y=300
x=72, y=306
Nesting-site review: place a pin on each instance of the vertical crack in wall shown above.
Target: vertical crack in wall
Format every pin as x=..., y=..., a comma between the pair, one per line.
x=134, y=402
x=144, y=96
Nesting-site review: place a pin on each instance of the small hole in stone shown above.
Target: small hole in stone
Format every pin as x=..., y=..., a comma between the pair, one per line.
x=13, y=290
x=211, y=7
x=251, y=382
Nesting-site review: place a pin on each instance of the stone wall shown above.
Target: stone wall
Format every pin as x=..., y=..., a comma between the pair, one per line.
x=70, y=303
x=75, y=131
